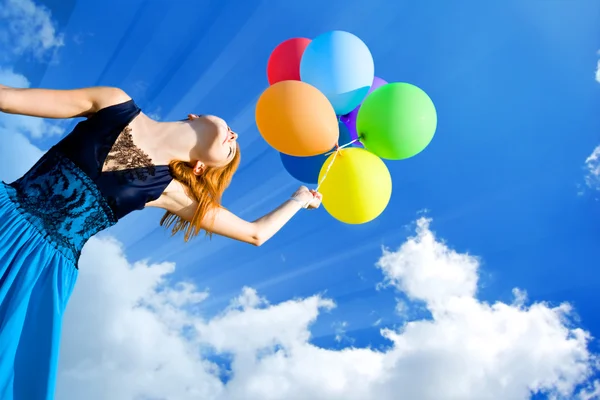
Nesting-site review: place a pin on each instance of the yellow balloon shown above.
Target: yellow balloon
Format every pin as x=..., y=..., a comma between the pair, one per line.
x=358, y=186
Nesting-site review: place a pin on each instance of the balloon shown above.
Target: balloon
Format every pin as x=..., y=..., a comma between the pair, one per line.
x=284, y=62
x=396, y=121
x=350, y=119
x=296, y=119
x=344, y=135
x=306, y=169
x=358, y=186
x=341, y=66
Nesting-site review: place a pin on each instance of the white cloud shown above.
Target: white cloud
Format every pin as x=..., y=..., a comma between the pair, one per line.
x=17, y=153
x=401, y=308
x=592, y=167
x=592, y=392
x=10, y=78
x=473, y=349
x=340, y=329
x=155, y=116
x=598, y=69
x=28, y=28
x=248, y=331
x=446, y=275
x=248, y=299
x=130, y=333
x=122, y=333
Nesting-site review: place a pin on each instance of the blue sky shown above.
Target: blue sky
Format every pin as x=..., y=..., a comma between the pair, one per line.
x=504, y=178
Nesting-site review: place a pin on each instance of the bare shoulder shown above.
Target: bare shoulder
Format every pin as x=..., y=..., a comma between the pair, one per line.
x=175, y=199
x=109, y=96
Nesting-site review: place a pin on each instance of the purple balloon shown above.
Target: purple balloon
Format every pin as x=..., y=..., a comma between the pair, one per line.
x=350, y=119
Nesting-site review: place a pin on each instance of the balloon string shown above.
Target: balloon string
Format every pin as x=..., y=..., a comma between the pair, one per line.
x=335, y=153
x=341, y=147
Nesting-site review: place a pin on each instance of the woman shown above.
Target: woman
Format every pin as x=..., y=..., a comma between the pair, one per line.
x=115, y=161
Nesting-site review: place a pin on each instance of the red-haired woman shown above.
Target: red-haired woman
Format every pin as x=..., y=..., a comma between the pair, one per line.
x=115, y=161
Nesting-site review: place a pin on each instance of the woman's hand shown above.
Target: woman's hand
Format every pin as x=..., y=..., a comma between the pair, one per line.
x=311, y=198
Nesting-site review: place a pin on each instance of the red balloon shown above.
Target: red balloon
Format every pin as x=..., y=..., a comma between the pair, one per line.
x=284, y=62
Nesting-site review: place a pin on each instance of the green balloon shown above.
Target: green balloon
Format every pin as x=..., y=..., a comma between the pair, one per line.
x=396, y=121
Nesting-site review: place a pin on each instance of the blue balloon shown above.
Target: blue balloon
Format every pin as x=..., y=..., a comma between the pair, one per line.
x=304, y=169
x=307, y=169
x=341, y=66
x=345, y=137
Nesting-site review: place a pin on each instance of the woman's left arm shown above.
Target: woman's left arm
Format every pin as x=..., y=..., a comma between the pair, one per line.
x=225, y=223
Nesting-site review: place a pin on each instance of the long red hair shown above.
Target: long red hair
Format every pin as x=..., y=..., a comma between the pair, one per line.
x=206, y=189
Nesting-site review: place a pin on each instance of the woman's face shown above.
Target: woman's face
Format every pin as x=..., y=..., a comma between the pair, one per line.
x=216, y=142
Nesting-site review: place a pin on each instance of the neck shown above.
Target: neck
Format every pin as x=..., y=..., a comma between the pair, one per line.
x=172, y=140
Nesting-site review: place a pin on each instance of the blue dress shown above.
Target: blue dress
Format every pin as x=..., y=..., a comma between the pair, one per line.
x=46, y=217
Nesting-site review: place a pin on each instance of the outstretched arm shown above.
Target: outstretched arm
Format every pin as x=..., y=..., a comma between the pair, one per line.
x=48, y=103
x=225, y=223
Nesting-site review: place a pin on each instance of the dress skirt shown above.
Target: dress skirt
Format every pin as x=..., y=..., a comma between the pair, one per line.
x=36, y=281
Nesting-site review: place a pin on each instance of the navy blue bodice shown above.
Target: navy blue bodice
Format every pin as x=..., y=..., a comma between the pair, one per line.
x=88, y=146
x=68, y=197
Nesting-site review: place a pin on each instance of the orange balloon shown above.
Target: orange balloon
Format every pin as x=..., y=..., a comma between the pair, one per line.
x=296, y=119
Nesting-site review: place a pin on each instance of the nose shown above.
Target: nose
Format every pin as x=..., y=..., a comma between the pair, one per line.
x=233, y=136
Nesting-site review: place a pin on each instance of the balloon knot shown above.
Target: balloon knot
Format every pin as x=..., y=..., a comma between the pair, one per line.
x=337, y=149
